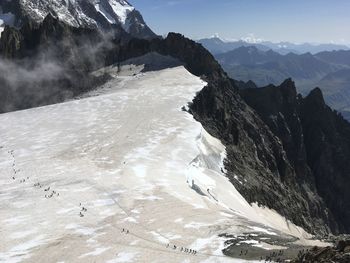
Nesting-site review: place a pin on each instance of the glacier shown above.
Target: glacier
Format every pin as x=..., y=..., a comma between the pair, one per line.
x=100, y=14
x=122, y=174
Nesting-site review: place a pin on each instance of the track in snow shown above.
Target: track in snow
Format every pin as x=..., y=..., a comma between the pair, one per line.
x=128, y=157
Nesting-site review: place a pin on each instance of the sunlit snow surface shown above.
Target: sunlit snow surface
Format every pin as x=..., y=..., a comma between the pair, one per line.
x=78, y=13
x=123, y=159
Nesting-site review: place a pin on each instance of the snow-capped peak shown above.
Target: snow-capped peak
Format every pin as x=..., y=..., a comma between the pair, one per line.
x=252, y=39
x=81, y=13
x=116, y=12
x=122, y=9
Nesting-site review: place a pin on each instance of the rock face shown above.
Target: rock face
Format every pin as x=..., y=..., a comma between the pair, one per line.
x=284, y=152
x=316, y=141
x=270, y=67
x=338, y=254
x=102, y=14
x=257, y=163
x=47, y=63
x=292, y=157
x=70, y=54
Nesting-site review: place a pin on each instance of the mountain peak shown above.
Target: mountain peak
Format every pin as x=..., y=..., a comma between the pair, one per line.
x=316, y=96
x=101, y=14
x=288, y=83
x=289, y=90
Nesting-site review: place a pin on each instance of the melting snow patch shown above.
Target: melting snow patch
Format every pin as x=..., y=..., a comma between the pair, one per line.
x=250, y=242
x=203, y=243
x=227, y=214
x=263, y=230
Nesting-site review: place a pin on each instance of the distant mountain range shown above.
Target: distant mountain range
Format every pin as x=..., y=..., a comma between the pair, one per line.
x=329, y=70
x=270, y=67
x=340, y=57
x=336, y=89
x=216, y=45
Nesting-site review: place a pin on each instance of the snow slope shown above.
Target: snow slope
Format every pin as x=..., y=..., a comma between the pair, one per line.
x=74, y=12
x=118, y=176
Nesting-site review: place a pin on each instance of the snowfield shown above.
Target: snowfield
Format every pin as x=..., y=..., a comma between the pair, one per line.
x=123, y=175
x=77, y=13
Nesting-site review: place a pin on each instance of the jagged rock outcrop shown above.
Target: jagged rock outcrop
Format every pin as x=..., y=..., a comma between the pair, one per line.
x=316, y=141
x=338, y=254
x=74, y=53
x=97, y=14
x=257, y=163
x=268, y=158
x=327, y=142
x=47, y=63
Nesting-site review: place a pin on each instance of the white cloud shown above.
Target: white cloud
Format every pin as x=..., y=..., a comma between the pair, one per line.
x=252, y=39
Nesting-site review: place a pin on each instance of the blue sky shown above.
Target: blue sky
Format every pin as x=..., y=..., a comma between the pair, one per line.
x=317, y=21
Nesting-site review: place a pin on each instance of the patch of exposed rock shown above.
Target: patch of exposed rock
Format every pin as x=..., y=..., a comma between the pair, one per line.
x=337, y=254
x=289, y=153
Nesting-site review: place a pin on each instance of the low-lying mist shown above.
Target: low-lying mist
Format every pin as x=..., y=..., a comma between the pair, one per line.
x=55, y=71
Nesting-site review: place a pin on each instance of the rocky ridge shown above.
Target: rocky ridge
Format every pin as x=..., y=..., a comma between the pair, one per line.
x=316, y=141
x=272, y=161
x=101, y=14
